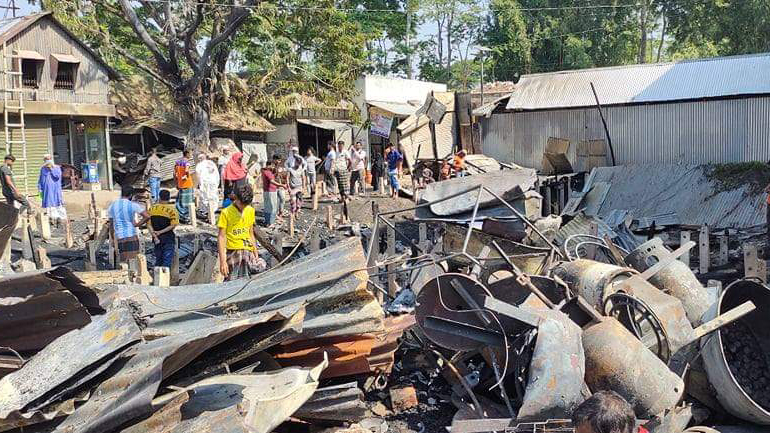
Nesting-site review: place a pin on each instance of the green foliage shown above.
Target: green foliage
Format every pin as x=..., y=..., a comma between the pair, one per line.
x=718, y=27
x=305, y=47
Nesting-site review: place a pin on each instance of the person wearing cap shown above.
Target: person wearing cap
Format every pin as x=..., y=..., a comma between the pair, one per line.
x=294, y=154
x=49, y=185
x=208, y=183
x=10, y=192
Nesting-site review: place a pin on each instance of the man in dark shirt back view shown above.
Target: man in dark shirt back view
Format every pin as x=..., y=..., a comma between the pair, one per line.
x=10, y=192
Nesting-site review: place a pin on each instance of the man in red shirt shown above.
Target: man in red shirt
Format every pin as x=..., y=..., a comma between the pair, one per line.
x=605, y=412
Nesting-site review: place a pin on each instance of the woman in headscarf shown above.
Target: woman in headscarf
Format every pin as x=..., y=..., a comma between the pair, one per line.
x=235, y=174
x=49, y=185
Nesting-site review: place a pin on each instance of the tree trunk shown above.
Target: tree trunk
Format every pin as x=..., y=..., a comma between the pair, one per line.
x=449, y=23
x=643, y=35
x=197, y=138
x=662, y=38
x=440, y=39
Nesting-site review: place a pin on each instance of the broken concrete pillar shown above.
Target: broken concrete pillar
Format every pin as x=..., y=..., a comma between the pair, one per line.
x=329, y=217
x=140, y=267
x=291, y=224
x=212, y=214
x=704, y=254
x=44, y=225
x=193, y=215
x=753, y=266
x=315, y=196
x=161, y=276
x=315, y=241
x=684, y=237
x=43, y=262
x=69, y=242
x=723, y=256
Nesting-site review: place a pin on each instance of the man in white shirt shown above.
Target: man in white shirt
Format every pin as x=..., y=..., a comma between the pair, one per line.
x=357, y=168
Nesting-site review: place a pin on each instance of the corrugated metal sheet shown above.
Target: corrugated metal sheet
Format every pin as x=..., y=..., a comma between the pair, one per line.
x=715, y=131
x=325, y=124
x=398, y=108
x=487, y=109
x=650, y=190
x=686, y=80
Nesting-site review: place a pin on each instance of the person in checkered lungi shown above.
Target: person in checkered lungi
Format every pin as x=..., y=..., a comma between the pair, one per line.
x=237, y=245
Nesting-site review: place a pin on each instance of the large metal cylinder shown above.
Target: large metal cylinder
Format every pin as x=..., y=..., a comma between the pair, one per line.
x=618, y=361
x=737, y=357
x=676, y=279
x=591, y=279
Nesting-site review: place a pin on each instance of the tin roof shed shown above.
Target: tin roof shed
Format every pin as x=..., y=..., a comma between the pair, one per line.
x=719, y=77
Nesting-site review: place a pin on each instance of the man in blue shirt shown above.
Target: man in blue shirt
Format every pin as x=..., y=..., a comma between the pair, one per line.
x=123, y=213
x=395, y=159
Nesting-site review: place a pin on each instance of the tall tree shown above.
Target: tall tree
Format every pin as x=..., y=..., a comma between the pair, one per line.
x=189, y=46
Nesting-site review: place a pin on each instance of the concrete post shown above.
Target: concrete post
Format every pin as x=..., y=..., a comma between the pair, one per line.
x=704, y=254
x=684, y=237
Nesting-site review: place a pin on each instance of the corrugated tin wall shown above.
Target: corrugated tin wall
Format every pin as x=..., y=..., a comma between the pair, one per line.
x=38, y=134
x=420, y=139
x=689, y=132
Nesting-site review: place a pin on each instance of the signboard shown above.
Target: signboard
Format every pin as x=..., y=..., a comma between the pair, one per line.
x=381, y=122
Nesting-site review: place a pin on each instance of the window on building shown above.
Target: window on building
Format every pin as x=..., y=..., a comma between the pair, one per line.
x=65, y=75
x=30, y=72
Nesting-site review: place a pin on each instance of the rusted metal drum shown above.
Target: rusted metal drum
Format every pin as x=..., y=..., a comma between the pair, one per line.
x=618, y=361
x=591, y=279
x=676, y=279
x=737, y=356
x=446, y=318
x=657, y=319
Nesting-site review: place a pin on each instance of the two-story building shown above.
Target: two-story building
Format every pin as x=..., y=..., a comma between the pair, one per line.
x=55, y=99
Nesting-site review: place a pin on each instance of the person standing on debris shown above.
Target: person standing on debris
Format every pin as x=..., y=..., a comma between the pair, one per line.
x=152, y=174
x=605, y=412
x=341, y=171
x=184, y=184
x=49, y=185
x=331, y=181
x=296, y=176
x=237, y=246
x=269, y=193
x=163, y=219
x=311, y=165
x=281, y=177
x=377, y=170
x=458, y=164
x=234, y=174
x=10, y=192
x=208, y=183
x=294, y=155
x=122, y=212
x=395, y=159
x=357, y=168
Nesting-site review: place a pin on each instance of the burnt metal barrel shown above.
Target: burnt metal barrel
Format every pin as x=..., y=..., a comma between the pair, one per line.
x=675, y=279
x=618, y=361
x=737, y=357
x=591, y=279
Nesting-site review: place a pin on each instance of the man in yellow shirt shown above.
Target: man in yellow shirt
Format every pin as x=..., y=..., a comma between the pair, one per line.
x=237, y=246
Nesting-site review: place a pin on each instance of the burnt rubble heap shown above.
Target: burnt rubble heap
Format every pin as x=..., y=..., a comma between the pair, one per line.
x=477, y=316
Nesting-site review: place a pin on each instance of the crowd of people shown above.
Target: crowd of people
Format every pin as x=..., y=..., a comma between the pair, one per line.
x=284, y=181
